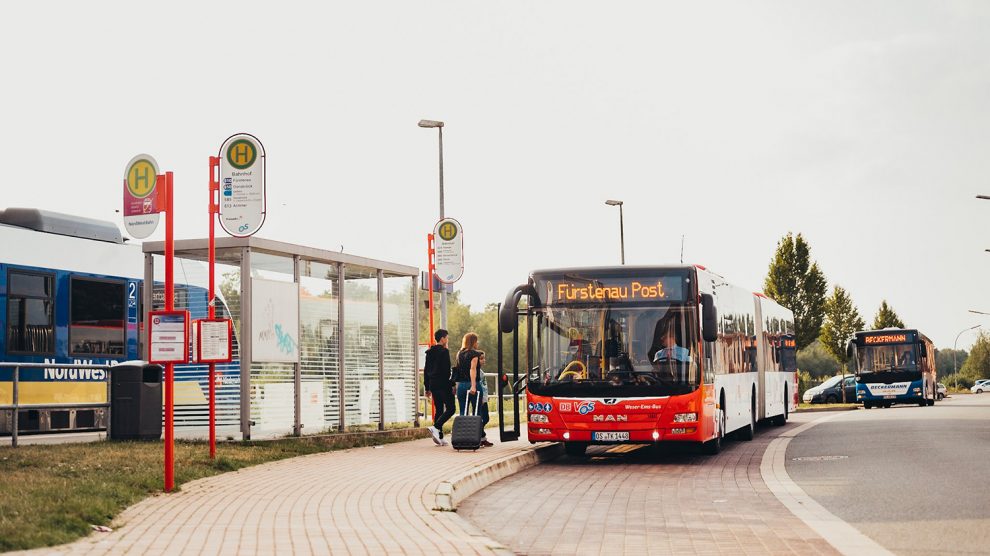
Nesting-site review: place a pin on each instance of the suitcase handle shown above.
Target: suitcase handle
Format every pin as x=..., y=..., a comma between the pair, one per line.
x=477, y=402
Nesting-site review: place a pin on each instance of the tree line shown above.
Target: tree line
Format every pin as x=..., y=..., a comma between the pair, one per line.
x=825, y=322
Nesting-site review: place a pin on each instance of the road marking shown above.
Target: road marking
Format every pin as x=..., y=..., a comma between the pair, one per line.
x=842, y=536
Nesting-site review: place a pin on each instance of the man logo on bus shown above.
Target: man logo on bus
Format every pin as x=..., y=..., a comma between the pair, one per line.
x=586, y=408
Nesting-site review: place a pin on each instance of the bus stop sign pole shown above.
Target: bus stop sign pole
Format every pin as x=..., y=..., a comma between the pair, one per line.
x=211, y=304
x=169, y=367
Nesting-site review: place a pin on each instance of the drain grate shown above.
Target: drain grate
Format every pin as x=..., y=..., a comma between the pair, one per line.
x=819, y=458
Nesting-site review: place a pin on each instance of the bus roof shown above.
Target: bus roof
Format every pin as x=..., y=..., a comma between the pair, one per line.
x=61, y=224
x=624, y=269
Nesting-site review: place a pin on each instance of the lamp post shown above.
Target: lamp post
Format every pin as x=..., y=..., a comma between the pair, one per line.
x=955, y=375
x=622, y=233
x=443, y=290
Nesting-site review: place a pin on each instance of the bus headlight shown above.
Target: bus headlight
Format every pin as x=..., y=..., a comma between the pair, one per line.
x=537, y=418
x=917, y=390
x=685, y=417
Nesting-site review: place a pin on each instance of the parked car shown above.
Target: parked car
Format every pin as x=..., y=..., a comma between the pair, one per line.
x=981, y=385
x=830, y=391
x=941, y=391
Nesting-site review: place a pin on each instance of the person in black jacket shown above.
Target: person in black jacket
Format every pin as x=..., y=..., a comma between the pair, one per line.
x=438, y=384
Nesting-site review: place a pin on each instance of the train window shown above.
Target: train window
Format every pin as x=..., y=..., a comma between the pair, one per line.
x=96, y=317
x=30, y=313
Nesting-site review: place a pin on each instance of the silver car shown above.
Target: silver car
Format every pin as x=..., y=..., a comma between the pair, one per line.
x=941, y=391
x=981, y=385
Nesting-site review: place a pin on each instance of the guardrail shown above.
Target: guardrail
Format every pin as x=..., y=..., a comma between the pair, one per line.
x=16, y=405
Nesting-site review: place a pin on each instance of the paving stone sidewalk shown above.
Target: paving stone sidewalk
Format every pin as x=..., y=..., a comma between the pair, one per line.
x=375, y=500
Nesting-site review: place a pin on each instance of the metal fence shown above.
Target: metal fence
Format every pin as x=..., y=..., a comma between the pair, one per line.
x=15, y=407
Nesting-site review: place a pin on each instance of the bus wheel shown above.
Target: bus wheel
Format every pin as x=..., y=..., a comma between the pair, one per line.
x=714, y=445
x=575, y=449
x=867, y=405
x=749, y=432
x=887, y=404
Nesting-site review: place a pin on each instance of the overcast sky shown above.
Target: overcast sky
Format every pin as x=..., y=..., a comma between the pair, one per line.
x=862, y=125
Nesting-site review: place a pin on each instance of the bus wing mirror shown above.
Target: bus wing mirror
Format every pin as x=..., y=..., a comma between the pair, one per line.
x=508, y=318
x=850, y=349
x=922, y=351
x=709, y=318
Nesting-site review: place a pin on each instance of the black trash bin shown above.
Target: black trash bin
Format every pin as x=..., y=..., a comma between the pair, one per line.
x=136, y=401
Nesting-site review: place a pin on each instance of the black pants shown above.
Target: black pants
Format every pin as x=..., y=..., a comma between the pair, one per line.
x=443, y=400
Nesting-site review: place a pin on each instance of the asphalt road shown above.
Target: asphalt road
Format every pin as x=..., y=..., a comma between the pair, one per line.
x=914, y=479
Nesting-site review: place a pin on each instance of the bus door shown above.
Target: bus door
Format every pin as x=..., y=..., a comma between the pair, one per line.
x=510, y=384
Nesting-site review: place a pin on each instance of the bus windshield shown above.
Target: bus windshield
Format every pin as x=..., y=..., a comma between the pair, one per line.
x=615, y=350
x=887, y=358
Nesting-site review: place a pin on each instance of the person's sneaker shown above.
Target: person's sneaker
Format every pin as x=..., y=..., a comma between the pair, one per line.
x=486, y=444
x=444, y=443
x=436, y=436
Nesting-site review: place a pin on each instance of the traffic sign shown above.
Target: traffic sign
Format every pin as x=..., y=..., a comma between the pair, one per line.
x=449, y=246
x=242, y=185
x=142, y=200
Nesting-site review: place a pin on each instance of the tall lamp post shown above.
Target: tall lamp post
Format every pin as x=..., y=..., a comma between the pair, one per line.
x=955, y=375
x=622, y=233
x=443, y=290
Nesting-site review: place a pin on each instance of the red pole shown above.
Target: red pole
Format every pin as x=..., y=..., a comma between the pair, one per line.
x=211, y=310
x=429, y=266
x=169, y=367
x=429, y=254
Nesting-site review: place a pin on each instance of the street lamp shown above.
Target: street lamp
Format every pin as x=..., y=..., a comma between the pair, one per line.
x=443, y=290
x=955, y=374
x=622, y=233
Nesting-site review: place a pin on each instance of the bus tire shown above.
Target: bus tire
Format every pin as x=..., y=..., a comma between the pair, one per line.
x=887, y=404
x=867, y=405
x=575, y=449
x=781, y=420
x=714, y=445
x=748, y=432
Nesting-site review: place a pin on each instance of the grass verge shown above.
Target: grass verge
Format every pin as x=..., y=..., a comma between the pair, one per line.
x=52, y=494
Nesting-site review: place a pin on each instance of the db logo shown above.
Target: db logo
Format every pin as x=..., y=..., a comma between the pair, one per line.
x=586, y=408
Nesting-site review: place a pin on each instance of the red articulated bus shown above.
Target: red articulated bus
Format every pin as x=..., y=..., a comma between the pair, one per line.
x=644, y=355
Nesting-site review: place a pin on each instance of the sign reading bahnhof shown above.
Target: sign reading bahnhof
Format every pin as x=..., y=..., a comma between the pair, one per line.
x=242, y=185
x=448, y=237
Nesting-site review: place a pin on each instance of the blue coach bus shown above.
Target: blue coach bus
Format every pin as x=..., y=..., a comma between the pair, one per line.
x=894, y=365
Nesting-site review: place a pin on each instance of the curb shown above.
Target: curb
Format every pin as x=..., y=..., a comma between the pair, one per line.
x=824, y=409
x=453, y=491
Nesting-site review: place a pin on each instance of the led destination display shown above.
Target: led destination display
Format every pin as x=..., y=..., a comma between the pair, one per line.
x=614, y=290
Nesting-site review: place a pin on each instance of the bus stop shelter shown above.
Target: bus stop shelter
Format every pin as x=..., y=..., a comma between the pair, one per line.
x=348, y=362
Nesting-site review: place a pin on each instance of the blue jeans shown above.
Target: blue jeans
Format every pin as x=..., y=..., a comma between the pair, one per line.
x=463, y=402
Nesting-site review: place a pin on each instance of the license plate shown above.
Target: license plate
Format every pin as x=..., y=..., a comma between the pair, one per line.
x=610, y=436
x=889, y=397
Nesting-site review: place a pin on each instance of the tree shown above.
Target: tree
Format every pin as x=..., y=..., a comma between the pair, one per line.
x=797, y=283
x=842, y=320
x=886, y=318
x=977, y=365
x=815, y=361
x=944, y=361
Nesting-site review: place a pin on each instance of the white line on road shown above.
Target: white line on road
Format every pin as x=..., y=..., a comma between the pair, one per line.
x=844, y=537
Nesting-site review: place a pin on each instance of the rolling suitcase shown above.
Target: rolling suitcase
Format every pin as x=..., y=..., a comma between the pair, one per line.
x=467, y=431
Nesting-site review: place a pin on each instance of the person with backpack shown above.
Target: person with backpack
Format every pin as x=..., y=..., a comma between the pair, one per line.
x=469, y=377
x=439, y=385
